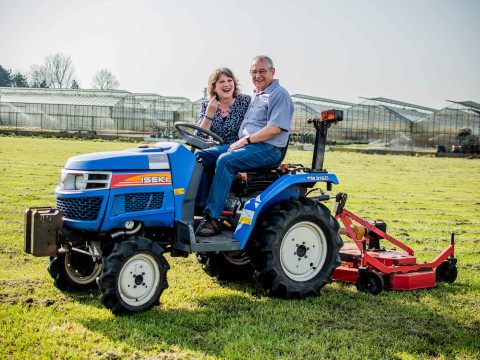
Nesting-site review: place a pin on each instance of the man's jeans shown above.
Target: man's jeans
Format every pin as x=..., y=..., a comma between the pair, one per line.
x=228, y=164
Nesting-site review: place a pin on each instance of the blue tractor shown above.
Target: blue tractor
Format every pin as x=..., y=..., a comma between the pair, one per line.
x=119, y=212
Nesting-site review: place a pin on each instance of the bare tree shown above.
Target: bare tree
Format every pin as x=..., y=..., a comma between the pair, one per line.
x=59, y=70
x=105, y=80
x=37, y=76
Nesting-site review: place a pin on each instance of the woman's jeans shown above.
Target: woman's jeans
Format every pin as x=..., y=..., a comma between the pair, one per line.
x=227, y=164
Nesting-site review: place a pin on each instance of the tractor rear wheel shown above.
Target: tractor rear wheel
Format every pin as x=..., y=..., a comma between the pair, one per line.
x=296, y=249
x=74, y=271
x=227, y=265
x=134, y=276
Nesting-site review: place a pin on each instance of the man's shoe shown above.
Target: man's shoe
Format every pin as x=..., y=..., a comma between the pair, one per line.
x=210, y=227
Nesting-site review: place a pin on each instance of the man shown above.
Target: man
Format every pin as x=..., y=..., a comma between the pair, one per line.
x=263, y=135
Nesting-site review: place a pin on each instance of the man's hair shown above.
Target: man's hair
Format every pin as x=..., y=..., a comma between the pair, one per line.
x=261, y=58
x=212, y=81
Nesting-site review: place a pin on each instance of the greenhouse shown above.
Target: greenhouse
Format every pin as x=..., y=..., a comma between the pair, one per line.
x=156, y=110
x=375, y=121
x=444, y=128
x=70, y=110
x=381, y=121
x=310, y=107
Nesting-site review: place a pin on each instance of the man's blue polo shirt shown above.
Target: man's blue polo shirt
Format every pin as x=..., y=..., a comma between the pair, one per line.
x=273, y=106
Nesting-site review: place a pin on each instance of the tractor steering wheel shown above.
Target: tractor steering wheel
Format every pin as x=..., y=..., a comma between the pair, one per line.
x=195, y=140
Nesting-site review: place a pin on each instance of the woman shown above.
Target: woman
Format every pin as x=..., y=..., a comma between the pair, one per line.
x=224, y=112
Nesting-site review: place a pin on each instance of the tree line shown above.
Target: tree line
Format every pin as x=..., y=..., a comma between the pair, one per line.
x=57, y=71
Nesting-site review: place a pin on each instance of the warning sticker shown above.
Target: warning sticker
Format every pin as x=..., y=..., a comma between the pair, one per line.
x=158, y=162
x=246, y=217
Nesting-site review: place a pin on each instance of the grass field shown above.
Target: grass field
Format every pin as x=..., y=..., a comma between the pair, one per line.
x=422, y=200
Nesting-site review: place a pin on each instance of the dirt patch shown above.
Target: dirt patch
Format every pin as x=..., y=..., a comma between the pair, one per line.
x=6, y=251
x=30, y=284
x=13, y=299
x=11, y=211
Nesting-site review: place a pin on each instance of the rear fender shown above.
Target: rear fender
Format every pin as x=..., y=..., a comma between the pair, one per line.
x=285, y=187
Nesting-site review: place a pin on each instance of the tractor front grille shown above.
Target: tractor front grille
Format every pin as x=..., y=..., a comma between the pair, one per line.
x=83, y=208
x=136, y=202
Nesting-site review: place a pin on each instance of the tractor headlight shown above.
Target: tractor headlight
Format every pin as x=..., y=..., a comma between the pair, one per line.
x=79, y=182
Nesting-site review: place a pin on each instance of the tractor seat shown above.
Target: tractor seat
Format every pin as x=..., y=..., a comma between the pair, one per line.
x=274, y=166
x=257, y=179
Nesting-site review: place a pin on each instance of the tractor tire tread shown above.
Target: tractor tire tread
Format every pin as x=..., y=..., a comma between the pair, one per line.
x=107, y=282
x=268, y=270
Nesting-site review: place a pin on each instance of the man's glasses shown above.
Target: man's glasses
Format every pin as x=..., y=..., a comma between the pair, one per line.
x=261, y=72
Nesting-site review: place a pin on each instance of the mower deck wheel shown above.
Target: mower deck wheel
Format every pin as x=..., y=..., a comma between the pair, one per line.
x=446, y=272
x=370, y=282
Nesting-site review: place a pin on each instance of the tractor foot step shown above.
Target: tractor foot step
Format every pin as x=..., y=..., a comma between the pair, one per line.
x=220, y=242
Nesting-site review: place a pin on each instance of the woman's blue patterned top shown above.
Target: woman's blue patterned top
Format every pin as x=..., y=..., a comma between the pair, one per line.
x=227, y=127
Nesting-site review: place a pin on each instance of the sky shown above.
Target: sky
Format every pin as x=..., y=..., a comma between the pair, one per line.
x=422, y=52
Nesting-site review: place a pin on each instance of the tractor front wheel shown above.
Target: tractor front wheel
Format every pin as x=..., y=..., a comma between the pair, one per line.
x=134, y=276
x=296, y=249
x=74, y=271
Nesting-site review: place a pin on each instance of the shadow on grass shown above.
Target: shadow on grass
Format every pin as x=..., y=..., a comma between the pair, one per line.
x=339, y=323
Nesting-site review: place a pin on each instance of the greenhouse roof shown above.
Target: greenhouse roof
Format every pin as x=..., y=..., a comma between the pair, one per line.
x=62, y=96
x=83, y=92
x=317, y=108
x=400, y=103
x=199, y=101
x=469, y=104
x=412, y=115
x=176, y=102
x=146, y=100
x=315, y=99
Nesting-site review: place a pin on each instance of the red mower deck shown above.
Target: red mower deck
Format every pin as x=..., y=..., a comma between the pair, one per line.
x=373, y=267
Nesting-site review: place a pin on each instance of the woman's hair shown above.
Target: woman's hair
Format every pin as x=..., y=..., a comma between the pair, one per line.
x=212, y=81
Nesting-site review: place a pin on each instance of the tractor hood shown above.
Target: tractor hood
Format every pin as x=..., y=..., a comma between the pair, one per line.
x=142, y=158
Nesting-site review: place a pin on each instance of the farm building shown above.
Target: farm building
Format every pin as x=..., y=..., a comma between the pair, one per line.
x=376, y=121
x=109, y=111
x=382, y=121
x=310, y=107
x=443, y=128
x=155, y=109
x=165, y=110
x=71, y=110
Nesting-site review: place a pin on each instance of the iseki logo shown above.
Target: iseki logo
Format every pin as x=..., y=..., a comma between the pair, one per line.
x=155, y=180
